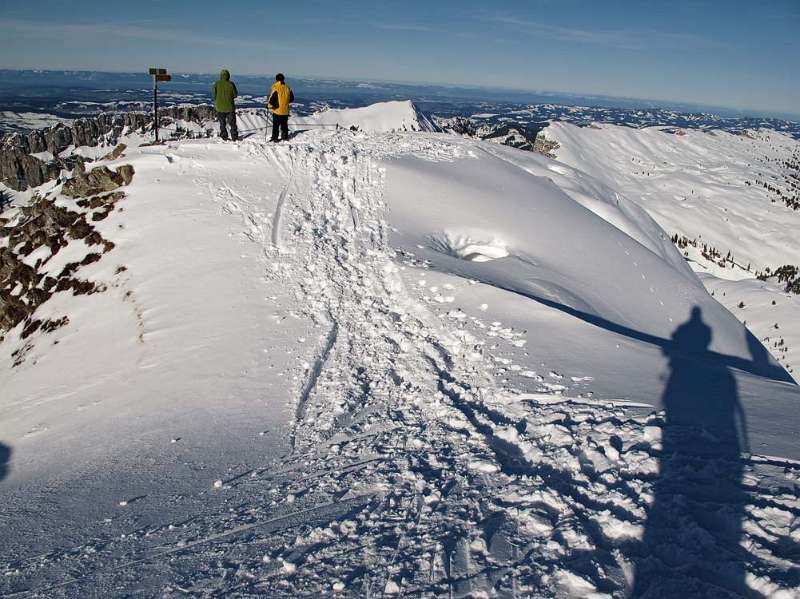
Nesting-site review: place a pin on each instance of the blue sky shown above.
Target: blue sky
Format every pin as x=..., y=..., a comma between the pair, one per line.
x=711, y=52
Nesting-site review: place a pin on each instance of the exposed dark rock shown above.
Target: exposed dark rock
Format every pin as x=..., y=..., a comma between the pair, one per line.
x=126, y=172
x=98, y=180
x=115, y=153
x=460, y=125
x=23, y=288
x=19, y=170
x=5, y=201
x=104, y=200
x=527, y=136
x=545, y=146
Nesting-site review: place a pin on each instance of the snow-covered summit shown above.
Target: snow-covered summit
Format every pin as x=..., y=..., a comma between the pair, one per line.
x=376, y=362
x=383, y=117
x=400, y=115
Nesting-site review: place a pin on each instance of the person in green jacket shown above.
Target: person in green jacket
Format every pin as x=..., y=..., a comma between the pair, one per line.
x=224, y=93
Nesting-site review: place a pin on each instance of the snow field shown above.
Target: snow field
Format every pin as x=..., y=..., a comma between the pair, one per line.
x=449, y=434
x=708, y=187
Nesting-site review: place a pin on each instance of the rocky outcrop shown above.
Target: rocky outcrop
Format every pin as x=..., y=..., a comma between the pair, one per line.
x=195, y=114
x=545, y=146
x=526, y=137
x=19, y=170
x=115, y=153
x=100, y=179
x=81, y=132
x=508, y=135
x=48, y=228
x=459, y=125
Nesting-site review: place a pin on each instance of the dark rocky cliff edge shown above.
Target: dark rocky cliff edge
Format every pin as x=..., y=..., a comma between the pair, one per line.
x=19, y=170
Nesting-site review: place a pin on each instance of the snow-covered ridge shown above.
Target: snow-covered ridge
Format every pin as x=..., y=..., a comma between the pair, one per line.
x=367, y=363
x=700, y=183
x=38, y=151
x=383, y=117
x=400, y=115
x=731, y=201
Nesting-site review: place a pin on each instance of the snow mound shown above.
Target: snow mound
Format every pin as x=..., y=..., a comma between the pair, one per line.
x=616, y=269
x=383, y=117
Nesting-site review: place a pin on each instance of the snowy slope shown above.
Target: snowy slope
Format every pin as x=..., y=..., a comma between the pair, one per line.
x=377, y=118
x=709, y=188
x=145, y=362
x=695, y=183
x=382, y=117
x=557, y=250
x=365, y=363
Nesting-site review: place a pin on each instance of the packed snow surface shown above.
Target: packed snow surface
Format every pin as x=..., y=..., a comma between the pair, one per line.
x=391, y=363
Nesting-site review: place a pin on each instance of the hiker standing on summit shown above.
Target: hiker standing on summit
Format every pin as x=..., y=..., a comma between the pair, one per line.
x=224, y=92
x=280, y=96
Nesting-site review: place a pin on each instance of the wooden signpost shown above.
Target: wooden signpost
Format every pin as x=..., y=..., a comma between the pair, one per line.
x=158, y=75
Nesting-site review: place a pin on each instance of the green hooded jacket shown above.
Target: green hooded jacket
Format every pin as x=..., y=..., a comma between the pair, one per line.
x=224, y=91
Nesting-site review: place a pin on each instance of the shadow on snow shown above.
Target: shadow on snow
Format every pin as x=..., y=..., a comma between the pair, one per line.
x=691, y=543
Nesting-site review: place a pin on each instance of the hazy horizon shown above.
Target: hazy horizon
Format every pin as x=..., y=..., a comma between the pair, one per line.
x=558, y=95
x=727, y=54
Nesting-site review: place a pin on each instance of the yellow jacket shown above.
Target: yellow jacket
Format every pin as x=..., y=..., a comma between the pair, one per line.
x=280, y=96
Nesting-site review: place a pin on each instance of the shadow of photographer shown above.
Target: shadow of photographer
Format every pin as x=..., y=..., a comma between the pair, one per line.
x=691, y=544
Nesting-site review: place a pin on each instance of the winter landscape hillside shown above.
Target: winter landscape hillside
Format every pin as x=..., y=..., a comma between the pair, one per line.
x=732, y=203
x=385, y=360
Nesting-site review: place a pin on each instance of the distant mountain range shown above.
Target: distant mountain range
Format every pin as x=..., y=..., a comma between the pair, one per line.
x=43, y=90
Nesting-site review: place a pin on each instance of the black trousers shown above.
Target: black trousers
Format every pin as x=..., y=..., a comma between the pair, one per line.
x=280, y=121
x=229, y=119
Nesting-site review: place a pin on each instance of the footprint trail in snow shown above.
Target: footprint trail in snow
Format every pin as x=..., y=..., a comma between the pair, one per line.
x=413, y=471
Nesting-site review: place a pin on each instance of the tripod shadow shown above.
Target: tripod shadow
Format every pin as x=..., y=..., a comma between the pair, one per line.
x=691, y=540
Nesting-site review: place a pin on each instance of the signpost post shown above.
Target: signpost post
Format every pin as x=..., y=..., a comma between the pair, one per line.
x=158, y=75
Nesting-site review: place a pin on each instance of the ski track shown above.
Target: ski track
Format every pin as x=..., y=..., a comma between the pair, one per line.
x=311, y=381
x=413, y=471
x=284, y=161
x=276, y=221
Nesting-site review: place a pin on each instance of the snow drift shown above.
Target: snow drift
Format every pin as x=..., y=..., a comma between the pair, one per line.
x=626, y=274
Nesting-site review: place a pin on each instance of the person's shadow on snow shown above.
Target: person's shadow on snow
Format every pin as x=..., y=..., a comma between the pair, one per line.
x=691, y=539
x=5, y=459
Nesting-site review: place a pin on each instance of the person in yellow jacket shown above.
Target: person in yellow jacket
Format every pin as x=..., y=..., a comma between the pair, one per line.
x=280, y=96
